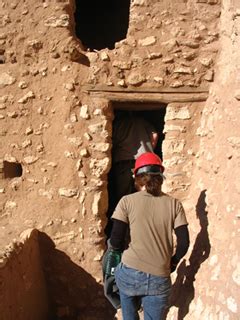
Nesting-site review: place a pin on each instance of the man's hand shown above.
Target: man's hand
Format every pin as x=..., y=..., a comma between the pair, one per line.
x=154, y=139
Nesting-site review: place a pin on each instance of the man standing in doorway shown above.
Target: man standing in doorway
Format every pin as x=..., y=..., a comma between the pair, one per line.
x=132, y=136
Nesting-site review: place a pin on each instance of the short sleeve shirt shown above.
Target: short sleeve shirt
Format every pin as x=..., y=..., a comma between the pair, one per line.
x=151, y=220
x=132, y=138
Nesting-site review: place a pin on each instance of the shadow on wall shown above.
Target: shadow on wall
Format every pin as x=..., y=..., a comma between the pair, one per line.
x=73, y=293
x=183, y=289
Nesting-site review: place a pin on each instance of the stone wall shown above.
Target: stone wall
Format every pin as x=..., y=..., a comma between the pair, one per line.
x=61, y=134
x=213, y=198
x=180, y=146
x=169, y=44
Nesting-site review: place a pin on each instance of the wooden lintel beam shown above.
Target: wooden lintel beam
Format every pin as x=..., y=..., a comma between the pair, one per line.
x=164, y=95
x=151, y=97
x=105, y=88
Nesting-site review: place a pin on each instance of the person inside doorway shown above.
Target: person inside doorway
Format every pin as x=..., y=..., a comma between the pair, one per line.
x=132, y=136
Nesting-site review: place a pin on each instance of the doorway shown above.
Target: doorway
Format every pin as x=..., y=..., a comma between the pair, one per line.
x=130, y=118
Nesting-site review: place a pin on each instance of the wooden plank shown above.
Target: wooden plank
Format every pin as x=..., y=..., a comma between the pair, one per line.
x=105, y=88
x=151, y=97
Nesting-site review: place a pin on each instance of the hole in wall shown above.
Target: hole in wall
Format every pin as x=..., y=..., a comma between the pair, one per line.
x=12, y=169
x=99, y=24
x=2, y=57
x=132, y=126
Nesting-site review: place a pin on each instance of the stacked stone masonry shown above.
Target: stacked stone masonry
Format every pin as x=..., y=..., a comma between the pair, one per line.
x=61, y=135
x=164, y=47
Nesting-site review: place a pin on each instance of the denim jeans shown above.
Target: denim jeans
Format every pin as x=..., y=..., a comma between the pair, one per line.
x=139, y=288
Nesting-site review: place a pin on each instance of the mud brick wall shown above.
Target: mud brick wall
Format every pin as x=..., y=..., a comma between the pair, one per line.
x=61, y=135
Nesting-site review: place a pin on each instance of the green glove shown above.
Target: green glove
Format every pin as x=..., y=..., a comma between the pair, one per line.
x=111, y=259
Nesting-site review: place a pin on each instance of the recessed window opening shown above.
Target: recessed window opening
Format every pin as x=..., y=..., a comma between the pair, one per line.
x=12, y=169
x=137, y=128
x=99, y=24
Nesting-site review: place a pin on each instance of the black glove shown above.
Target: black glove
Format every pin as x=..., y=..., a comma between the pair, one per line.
x=111, y=291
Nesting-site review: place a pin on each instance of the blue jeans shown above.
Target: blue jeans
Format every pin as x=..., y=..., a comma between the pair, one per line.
x=139, y=288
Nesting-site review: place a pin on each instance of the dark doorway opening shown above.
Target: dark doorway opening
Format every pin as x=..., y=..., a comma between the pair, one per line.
x=147, y=117
x=12, y=169
x=99, y=24
x=153, y=112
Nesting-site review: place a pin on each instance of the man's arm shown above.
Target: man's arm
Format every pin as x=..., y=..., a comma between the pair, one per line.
x=154, y=139
x=182, y=235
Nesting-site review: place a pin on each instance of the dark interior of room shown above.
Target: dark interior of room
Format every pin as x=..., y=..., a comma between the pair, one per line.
x=99, y=24
x=154, y=113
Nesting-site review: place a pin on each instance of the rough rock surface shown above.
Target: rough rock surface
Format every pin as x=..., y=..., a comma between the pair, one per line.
x=61, y=137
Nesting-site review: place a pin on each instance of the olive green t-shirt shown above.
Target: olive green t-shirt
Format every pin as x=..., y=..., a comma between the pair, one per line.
x=151, y=221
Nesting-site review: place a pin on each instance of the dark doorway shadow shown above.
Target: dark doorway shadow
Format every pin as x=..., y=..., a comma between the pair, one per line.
x=73, y=293
x=120, y=172
x=183, y=291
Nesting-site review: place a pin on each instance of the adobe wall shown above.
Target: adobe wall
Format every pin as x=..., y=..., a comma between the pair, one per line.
x=169, y=44
x=23, y=293
x=213, y=261
x=61, y=133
